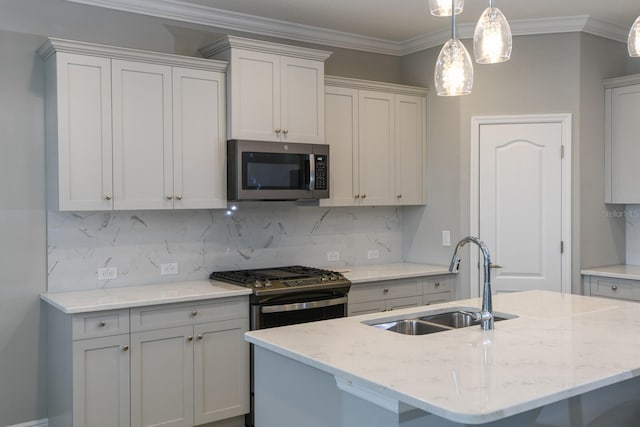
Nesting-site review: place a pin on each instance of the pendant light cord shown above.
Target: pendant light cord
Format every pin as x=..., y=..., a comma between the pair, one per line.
x=453, y=19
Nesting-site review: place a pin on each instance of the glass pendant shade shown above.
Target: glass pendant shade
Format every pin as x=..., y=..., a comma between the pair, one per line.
x=492, y=38
x=633, y=43
x=443, y=7
x=454, y=70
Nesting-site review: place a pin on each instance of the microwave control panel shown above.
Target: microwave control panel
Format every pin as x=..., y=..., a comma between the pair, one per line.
x=321, y=172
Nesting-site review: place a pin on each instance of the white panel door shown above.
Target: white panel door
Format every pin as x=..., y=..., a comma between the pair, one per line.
x=625, y=146
x=199, y=143
x=520, y=204
x=410, y=143
x=341, y=122
x=84, y=132
x=221, y=375
x=376, y=148
x=162, y=378
x=302, y=100
x=101, y=382
x=142, y=134
x=255, y=104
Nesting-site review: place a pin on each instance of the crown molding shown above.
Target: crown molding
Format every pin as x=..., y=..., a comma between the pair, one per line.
x=633, y=79
x=212, y=17
x=335, y=81
x=228, y=42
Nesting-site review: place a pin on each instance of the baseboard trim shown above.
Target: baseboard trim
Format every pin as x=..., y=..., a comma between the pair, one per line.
x=38, y=423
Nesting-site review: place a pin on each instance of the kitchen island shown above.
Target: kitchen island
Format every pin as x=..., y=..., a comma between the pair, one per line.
x=565, y=360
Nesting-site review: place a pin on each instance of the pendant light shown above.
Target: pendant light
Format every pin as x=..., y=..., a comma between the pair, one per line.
x=444, y=7
x=633, y=43
x=492, y=37
x=454, y=70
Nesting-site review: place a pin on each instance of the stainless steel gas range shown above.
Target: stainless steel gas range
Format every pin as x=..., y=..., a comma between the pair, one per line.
x=289, y=295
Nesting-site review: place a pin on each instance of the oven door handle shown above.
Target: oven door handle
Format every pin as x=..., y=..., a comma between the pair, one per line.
x=303, y=305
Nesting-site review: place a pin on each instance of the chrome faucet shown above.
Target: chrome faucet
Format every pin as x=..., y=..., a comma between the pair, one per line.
x=485, y=317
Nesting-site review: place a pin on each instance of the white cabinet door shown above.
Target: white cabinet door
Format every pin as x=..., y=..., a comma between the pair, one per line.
x=162, y=377
x=101, y=382
x=302, y=100
x=79, y=106
x=221, y=374
x=376, y=148
x=341, y=123
x=625, y=146
x=199, y=144
x=410, y=147
x=142, y=133
x=255, y=96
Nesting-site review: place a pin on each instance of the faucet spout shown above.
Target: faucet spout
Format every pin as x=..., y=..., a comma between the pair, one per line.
x=486, y=314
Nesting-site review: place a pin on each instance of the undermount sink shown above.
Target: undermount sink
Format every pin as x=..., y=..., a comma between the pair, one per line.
x=436, y=322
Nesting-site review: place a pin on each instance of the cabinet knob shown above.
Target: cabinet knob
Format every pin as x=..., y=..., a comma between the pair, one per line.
x=285, y=131
x=200, y=337
x=102, y=323
x=385, y=290
x=364, y=196
x=278, y=130
x=125, y=348
x=399, y=196
x=614, y=288
x=194, y=313
x=107, y=197
x=437, y=284
x=169, y=197
x=189, y=338
x=179, y=197
x=357, y=196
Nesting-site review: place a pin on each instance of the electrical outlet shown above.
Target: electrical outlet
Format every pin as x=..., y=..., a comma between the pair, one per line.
x=169, y=268
x=373, y=254
x=333, y=256
x=107, y=273
x=446, y=238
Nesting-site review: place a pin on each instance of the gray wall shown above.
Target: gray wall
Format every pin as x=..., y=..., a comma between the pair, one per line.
x=556, y=73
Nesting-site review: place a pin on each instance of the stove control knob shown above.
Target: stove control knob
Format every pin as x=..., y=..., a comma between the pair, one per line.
x=267, y=284
x=333, y=277
x=324, y=278
x=257, y=284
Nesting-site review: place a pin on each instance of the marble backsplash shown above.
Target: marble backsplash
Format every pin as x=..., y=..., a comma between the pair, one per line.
x=201, y=241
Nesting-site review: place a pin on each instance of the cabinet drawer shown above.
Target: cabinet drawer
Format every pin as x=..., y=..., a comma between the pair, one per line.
x=436, y=298
x=437, y=285
x=385, y=290
x=180, y=314
x=406, y=302
x=615, y=289
x=100, y=324
x=366, y=307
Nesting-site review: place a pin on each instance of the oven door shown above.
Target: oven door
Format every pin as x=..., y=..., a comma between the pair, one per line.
x=299, y=309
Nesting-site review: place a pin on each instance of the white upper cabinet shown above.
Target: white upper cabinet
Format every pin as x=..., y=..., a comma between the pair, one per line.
x=377, y=134
x=130, y=129
x=276, y=92
x=622, y=148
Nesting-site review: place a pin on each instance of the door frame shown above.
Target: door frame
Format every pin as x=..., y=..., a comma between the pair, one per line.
x=565, y=120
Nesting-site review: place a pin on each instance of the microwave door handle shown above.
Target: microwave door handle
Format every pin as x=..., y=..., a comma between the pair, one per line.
x=312, y=172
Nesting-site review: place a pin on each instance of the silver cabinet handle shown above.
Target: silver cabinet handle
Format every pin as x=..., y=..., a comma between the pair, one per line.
x=437, y=284
x=364, y=196
x=614, y=288
x=102, y=323
x=285, y=131
x=385, y=290
x=399, y=196
x=357, y=196
x=200, y=337
x=169, y=197
x=278, y=130
x=107, y=197
x=179, y=197
x=189, y=338
x=125, y=348
x=495, y=266
x=194, y=313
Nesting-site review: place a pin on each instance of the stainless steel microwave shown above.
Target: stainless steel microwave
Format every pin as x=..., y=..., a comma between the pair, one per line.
x=262, y=170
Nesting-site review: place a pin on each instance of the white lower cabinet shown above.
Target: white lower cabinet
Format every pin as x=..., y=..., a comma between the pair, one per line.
x=608, y=287
x=375, y=297
x=181, y=364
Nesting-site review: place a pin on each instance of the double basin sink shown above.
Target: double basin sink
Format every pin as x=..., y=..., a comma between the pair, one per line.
x=455, y=318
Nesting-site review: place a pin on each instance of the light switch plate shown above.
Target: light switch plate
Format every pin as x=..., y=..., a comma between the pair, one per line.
x=107, y=273
x=446, y=238
x=373, y=254
x=333, y=256
x=169, y=268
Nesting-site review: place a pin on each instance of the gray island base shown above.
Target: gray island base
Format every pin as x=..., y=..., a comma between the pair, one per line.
x=565, y=361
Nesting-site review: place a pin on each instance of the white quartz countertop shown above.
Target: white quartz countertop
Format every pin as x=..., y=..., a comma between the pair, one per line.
x=402, y=270
x=136, y=296
x=560, y=346
x=622, y=271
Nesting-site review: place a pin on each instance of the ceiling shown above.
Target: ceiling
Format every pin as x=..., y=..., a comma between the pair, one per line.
x=387, y=26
